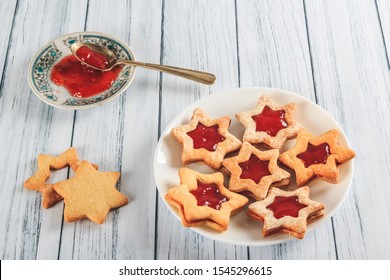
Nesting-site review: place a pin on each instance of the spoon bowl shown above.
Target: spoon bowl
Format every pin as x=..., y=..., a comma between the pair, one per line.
x=111, y=60
x=101, y=58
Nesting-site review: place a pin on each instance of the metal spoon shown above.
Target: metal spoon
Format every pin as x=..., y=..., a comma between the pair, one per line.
x=198, y=76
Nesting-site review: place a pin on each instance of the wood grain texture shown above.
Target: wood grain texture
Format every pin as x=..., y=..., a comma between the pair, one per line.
x=352, y=83
x=137, y=227
x=274, y=52
x=273, y=46
x=29, y=127
x=196, y=42
x=332, y=52
x=383, y=10
x=119, y=136
x=7, y=15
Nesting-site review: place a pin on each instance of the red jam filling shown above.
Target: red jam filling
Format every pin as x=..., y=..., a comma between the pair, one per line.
x=206, y=137
x=285, y=206
x=208, y=195
x=315, y=154
x=81, y=80
x=92, y=58
x=254, y=169
x=270, y=121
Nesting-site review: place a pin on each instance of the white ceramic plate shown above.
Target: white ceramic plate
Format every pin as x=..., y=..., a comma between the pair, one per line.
x=42, y=62
x=242, y=229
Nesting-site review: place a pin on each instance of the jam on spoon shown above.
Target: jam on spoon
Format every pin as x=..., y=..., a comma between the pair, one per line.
x=92, y=58
x=113, y=61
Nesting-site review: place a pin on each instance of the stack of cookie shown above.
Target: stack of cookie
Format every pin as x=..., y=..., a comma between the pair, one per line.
x=89, y=194
x=254, y=173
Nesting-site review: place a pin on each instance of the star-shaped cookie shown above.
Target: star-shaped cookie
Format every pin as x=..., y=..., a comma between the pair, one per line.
x=90, y=194
x=202, y=199
x=269, y=123
x=316, y=156
x=255, y=171
x=286, y=211
x=37, y=182
x=205, y=139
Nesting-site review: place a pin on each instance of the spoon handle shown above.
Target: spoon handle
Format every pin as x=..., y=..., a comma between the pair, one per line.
x=194, y=75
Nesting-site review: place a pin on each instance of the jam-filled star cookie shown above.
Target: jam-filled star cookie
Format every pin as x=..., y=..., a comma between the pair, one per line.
x=37, y=182
x=90, y=194
x=316, y=156
x=286, y=211
x=205, y=139
x=269, y=123
x=255, y=171
x=203, y=200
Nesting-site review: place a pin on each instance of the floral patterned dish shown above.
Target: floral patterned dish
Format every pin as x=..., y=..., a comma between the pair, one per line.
x=42, y=62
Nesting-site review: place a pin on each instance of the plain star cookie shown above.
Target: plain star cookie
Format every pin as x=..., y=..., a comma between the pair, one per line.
x=37, y=182
x=90, y=194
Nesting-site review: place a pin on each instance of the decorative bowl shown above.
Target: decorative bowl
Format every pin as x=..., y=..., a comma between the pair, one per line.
x=40, y=67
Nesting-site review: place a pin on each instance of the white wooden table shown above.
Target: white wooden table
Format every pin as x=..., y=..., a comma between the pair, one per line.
x=335, y=53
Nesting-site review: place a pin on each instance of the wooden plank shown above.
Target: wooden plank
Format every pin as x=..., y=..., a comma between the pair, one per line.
x=7, y=12
x=29, y=127
x=118, y=136
x=206, y=42
x=137, y=231
x=274, y=52
x=273, y=46
x=383, y=9
x=352, y=83
x=350, y=69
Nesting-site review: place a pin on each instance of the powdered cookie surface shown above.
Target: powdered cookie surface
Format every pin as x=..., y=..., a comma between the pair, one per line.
x=255, y=171
x=202, y=199
x=316, y=156
x=286, y=211
x=205, y=139
x=269, y=123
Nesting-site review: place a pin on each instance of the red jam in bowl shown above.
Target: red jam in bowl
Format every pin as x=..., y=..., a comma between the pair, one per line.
x=270, y=121
x=206, y=137
x=254, y=169
x=315, y=154
x=208, y=195
x=79, y=79
x=285, y=206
